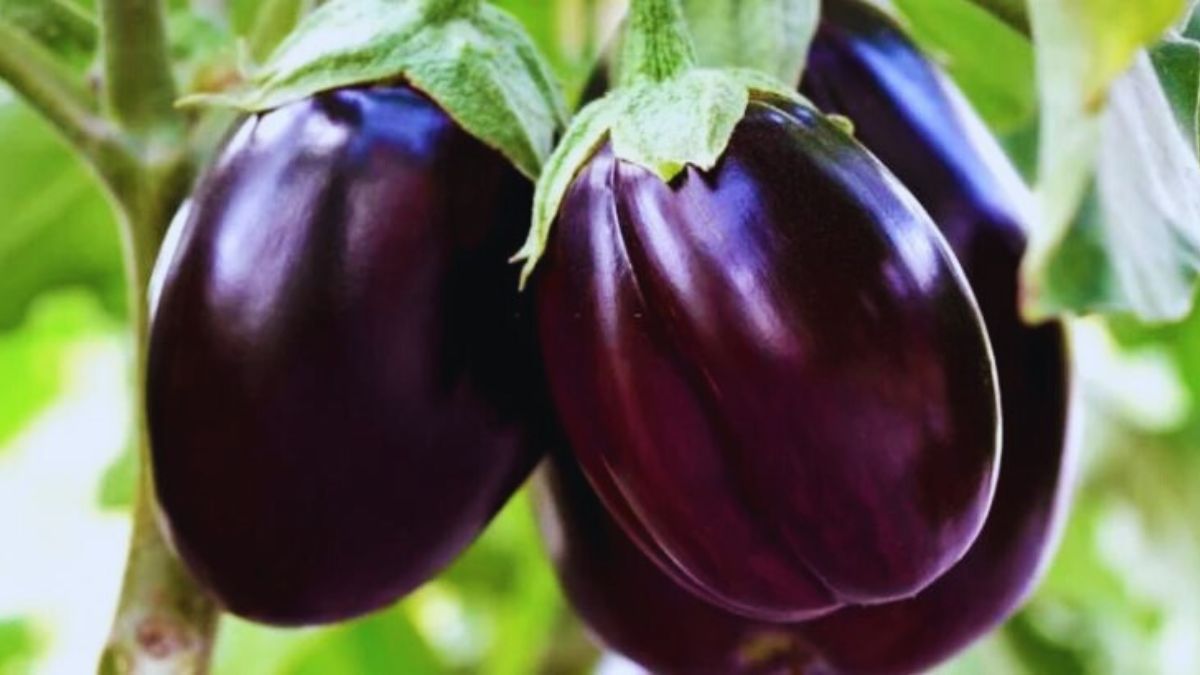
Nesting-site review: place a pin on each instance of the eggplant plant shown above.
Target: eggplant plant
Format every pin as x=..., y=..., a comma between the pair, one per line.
x=784, y=328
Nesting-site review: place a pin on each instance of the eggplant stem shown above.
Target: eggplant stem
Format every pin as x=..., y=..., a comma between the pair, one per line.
x=657, y=45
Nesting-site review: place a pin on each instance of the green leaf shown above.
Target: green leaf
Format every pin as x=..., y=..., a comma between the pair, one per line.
x=567, y=32
x=1177, y=62
x=1083, y=46
x=1141, y=215
x=20, y=644
x=771, y=36
x=274, y=21
x=118, y=484
x=32, y=355
x=56, y=227
x=384, y=642
x=989, y=60
x=478, y=65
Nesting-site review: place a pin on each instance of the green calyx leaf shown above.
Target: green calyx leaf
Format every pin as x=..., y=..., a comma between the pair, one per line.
x=662, y=126
x=472, y=59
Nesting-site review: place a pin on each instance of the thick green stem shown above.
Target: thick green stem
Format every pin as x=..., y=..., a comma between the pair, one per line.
x=656, y=46
x=139, y=87
x=164, y=622
x=32, y=71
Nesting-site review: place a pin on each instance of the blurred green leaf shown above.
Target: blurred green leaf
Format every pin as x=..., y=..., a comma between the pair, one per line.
x=274, y=21
x=32, y=356
x=56, y=228
x=569, y=33
x=19, y=646
x=1143, y=186
x=385, y=642
x=1136, y=226
x=1177, y=62
x=118, y=484
x=990, y=61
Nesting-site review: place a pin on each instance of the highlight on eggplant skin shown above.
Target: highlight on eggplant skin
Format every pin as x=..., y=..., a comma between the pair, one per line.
x=775, y=368
x=343, y=383
x=864, y=67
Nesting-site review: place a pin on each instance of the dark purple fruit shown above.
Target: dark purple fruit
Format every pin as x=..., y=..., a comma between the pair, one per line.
x=773, y=371
x=913, y=121
x=631, y=606
x=863, y=66
x=342, y=377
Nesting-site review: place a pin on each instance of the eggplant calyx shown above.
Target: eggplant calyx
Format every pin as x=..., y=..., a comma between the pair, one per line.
x=472, y=59
x=663, y=126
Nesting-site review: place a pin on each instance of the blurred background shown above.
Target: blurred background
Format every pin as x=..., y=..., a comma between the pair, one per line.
x=1122, y=595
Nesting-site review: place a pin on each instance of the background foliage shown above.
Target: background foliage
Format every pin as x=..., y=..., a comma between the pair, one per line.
x=1123, y=595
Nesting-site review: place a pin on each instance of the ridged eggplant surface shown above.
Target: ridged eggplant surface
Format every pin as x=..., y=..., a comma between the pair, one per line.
x=773, y=370
x=862, y=66
x=343, y=383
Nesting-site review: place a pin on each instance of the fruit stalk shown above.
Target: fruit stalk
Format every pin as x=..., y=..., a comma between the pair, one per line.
x=657, y=46
x=139, y=87
x=137, y=151
x=163, y=621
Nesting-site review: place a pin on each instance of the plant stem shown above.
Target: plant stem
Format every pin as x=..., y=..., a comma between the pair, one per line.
x=164, y=622
x=656, y=45
x=32, y=71
x=139, y=87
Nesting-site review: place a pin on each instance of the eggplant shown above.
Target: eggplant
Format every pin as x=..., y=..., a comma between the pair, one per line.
x=863, y=66
x=773, y=372
x=343, y=383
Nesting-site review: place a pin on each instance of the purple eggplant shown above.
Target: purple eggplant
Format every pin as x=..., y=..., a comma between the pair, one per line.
x=772, y=372
x=864, y=67
x=343, y=382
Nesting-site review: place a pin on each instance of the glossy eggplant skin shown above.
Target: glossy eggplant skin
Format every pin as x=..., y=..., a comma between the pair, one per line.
x=630, y=606
x=862, y=66
x=343, y=382
x=773, y=373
